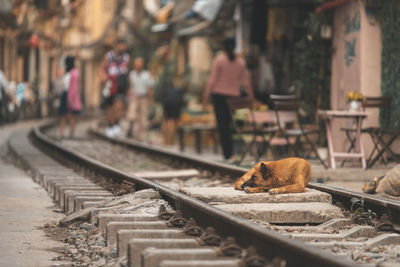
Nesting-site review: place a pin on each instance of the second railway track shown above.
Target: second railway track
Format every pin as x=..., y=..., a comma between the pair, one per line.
x=366, y=234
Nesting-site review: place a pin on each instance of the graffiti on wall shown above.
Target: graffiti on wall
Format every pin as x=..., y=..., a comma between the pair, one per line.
x=352, y=25
x=350, y=51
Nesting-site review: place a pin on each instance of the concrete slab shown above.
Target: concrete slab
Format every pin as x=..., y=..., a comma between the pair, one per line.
x=124, y=236
x=45, y=178
x=153, y=256
x=137, y=245
x=52, y=186
x=56, y=190
x=89, y=204
x=59, y=191
x=78, y=201
x=334, y=223
x=358, y=231
x=62, y=172
x=69, y=197
x=380, y=240
x=114, y=227
x=232, y=196
x=94, y=213
x=299, y=213
x=167, y=175
x=202, y=263
x=104, y=219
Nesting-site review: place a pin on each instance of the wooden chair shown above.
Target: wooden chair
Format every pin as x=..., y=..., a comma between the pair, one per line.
x=376, y=133
x=286, y=109
x=253, y=127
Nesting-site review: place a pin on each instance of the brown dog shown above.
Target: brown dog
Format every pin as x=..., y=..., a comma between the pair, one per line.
x=290, y=175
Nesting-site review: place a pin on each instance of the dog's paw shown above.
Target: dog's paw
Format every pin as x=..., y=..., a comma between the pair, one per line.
x=247, y=189
x=273, y=191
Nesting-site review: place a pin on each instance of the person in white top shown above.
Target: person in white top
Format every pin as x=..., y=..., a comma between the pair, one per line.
x=140, y=96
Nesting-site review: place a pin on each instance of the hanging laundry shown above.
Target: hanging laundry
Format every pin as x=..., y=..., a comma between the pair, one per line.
x=208, y=9
x=164, y=13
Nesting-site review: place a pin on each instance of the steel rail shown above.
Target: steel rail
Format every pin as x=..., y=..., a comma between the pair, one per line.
x=267, y=243
x=379, y=205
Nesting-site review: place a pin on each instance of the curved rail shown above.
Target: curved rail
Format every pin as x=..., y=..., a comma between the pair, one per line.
x=267, y=243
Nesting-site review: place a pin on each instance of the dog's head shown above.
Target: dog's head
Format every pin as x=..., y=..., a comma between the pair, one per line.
x=370, y=187
x=262, y=176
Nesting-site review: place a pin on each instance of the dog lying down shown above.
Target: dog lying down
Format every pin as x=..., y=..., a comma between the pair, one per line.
x=289, y=175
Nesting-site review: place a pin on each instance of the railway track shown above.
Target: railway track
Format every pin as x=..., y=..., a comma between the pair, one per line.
x=357, y=236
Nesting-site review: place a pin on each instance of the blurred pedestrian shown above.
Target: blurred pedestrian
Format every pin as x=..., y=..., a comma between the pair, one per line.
x=115, y=79
x=3, y=85
x=172, y=104
x=70, y=100
x=228, y=74
x=140, y=97
x=56, y=91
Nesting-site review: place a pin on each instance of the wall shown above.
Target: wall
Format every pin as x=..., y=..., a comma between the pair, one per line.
x=355, y=65
x=371, y=50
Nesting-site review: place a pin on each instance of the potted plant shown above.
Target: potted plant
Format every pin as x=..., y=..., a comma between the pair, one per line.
x=354, y=98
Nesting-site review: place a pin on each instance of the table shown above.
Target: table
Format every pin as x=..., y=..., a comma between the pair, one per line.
x=358, y=117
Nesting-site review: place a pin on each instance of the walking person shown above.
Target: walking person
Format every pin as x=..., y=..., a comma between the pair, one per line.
x=228, y=74
x=70, y=100
x=56, y=91
x=115, y=79
x=140, y=96
x=172, y=105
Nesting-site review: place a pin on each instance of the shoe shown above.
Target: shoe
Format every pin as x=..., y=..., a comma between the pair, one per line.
x=110, y=131
x=117, y=130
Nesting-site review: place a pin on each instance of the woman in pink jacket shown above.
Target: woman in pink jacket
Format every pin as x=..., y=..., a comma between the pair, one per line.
x=70, y=102
x=228, y=74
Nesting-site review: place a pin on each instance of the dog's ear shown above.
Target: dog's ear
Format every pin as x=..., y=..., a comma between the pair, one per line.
x=265, y=171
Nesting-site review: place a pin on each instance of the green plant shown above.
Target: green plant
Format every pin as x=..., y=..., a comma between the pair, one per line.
x=389, y=15
x=312, y=59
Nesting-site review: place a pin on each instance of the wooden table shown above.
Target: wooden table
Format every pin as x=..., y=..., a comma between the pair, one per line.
x=358, y=117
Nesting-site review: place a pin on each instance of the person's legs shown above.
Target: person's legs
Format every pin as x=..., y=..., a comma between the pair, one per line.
x=142, y=116
x=72, y=123
x=164, y=131
x=109, y=115
x=223, y=118
x=62, y=125
x=131, y=115
x=109, y=110
x=116, y=115
x=171, y=130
